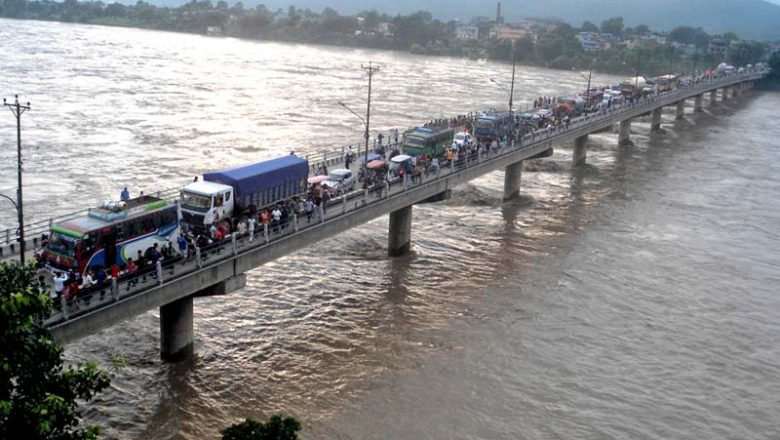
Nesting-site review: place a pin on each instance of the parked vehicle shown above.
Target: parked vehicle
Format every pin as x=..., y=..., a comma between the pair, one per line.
x=430, y=141
x=632, y=87
x=227, y=193
x=665, y=83
x=398, y=162
x=110, y=234
x=340, y=181
x=463, y=138
x=491, y=126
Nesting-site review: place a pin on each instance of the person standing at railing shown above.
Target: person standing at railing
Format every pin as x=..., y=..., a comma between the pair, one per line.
x=348, y=158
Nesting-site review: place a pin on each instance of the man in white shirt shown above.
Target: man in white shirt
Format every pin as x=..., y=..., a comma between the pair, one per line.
x=59, y=283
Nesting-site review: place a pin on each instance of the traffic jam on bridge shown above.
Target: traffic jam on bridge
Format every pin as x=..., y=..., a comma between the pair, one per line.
x=128, y=246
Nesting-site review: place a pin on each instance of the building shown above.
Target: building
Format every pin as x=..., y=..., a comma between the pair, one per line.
x=507, y=32
x=467, y=32
x=594, y=41
x=718, y=49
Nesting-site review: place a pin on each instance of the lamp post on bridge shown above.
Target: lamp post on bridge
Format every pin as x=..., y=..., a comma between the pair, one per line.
x=371, y=69
x=511, y=91
x=365, y=125
x=18, y=109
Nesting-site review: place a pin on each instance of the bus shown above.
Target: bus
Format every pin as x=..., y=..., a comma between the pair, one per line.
x=430, y=141
x=111, y=234
x=665, y=82
x=492, y=125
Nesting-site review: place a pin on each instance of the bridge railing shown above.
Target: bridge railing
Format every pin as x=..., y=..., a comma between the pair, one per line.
x=201, y=258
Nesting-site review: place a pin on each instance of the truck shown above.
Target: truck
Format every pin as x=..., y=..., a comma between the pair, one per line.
x=632, y=87
x=230, y=192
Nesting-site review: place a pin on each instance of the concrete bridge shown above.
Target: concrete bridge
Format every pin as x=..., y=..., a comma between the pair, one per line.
x=221, y=268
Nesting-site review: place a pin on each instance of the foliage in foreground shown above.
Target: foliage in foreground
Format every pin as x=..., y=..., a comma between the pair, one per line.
x=277, y=428
x=38, y=395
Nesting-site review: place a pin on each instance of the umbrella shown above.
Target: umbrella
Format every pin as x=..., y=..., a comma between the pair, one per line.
x=317, y=179
x=374, y=164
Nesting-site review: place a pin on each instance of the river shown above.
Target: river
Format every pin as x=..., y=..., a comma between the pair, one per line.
x=634, y=297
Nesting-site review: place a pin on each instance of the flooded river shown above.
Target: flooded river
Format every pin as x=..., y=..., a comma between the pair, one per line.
x=632, y=298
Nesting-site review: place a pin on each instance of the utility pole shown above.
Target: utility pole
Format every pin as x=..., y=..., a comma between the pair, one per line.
x=370, y=69
x=587, y=91
x=17, y=109
x=512, y=86
x=671, y=60
x=638, y=64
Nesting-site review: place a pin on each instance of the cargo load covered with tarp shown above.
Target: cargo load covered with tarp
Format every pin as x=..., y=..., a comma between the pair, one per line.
x=264, y=183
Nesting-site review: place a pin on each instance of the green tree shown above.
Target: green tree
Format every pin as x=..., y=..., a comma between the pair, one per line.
x=613, y=26
x=38, y=395
x=277, y=428
x=774, y=76
x=728, y=37
x=744, y=53
x=588, y=26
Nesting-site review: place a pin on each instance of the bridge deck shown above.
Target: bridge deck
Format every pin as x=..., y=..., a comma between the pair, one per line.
x=237, y=255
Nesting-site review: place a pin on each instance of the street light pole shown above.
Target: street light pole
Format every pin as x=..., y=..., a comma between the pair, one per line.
x=17, y=109
x=587, y=91
x=370, y=69
x=638, y=64
x=512, y=86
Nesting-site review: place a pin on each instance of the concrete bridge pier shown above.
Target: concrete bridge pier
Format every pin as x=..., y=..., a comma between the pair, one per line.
x=680, y=110
x=176, y=333
x=400, y=237
x=725, y=94
x=714, y=97
x=176, y=330
x=512, y=177
x=580, y=150
x=697, y=107
x=624, y=137
x=655, y=123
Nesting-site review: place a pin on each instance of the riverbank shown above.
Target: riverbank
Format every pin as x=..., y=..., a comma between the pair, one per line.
x=552, y=45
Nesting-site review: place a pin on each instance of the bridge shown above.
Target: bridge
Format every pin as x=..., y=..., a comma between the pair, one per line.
x=220, y=268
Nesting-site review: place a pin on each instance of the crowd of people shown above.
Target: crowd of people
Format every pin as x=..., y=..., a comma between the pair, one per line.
x=276, y=218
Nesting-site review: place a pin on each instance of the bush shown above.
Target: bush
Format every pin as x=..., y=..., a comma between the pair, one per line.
x=276, y=428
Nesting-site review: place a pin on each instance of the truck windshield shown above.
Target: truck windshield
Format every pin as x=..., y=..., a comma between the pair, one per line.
x=195, y=201
x=63, y=244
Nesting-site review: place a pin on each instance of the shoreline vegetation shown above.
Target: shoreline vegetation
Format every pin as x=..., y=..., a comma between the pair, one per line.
x=543, y=43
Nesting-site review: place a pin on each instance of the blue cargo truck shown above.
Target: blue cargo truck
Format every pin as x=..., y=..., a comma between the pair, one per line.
x=228, y=193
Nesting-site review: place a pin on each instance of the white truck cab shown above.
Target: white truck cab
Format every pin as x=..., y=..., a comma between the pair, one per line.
x=203, y=203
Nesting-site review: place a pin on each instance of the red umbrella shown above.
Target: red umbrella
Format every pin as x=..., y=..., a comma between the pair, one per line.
x=317, y=179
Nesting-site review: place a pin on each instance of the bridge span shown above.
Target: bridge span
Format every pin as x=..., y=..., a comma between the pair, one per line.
x=220, y=268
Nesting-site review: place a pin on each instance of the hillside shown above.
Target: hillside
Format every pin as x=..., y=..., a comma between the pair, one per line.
x=750, y=19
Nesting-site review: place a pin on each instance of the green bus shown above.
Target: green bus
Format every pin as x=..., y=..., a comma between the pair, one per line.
x=430, y=141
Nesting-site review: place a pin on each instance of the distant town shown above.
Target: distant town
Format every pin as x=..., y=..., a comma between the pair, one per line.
x=609, y=46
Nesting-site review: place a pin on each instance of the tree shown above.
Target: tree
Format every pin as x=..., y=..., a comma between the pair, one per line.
x=774, y=63
x=613, y=26
x=274, y=429
x=642, y=29
x=728, y=37
x=588, y=26
x=38, y=396
x=744, y=53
